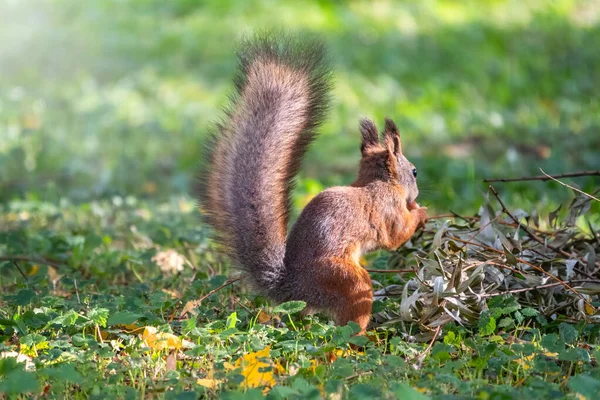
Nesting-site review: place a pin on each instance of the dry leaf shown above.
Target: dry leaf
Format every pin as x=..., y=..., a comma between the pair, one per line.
x=263, y=317
x=175, y=294
x=163, y=340
x=209, y=383
x=172, y=361
x=170, y=262
x=257, y=369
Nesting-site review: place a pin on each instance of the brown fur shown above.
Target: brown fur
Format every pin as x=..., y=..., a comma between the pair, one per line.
x=281, y=96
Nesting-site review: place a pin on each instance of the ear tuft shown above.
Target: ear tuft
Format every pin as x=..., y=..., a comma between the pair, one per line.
x=370, y=136
x=391, y=137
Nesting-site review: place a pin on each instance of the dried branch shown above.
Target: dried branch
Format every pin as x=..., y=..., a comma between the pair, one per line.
x=544, y=177
x=16, y=264
x=546, y=286
x=539, y=269
x=190, y=305
x=570, y=187
x=421, y=357
x=38, y=260
x=533, y=235
x=389, y=271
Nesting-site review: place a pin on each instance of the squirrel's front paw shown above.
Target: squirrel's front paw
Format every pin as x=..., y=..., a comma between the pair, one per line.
x=420, y=214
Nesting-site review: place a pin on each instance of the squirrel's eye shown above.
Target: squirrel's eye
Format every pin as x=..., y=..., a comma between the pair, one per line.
x=414, y=172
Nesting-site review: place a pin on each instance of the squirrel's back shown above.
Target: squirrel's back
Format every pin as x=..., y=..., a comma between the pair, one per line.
x=248, y=173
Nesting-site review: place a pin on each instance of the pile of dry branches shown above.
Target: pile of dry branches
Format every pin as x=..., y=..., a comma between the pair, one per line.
x=548, y=264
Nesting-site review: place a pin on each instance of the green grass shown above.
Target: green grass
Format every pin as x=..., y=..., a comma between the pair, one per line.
x=97, y=102
x=81, y=325
x=103, y=109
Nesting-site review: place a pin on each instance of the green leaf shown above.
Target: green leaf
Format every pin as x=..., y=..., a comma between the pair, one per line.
x=585, y=385
x=231, y=320
x=506, y=322
x=64, y=372
x=529, y=312
x=553, y=216
x=568, y=333
x=405, y=392
x=363, y=391
x=341, y=335
x=487, y=325
x=123, y=318
x=99, y=316
x=510, y=257
x=17, y=382
x=282, y=392
x=32, y=339
x=395, y=361
x=290, y=307
x=67, y=319
x=8, y=365
x=24, y=297
x=7, y=322
x=553, y=343
x=360, y=341
x=576, y=354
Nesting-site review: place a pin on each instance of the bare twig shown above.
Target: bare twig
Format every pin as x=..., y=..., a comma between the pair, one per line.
x=569, y=186
x=190, y=305
x=469, y=219
x=533, y=235
x=548, y=285
x=451, y=215
x=525, y=227
x=421, y=357
x=16, y=264
x=491, y=221
x=545, y=177
x=357, y=375
x=39, y=260
x=389, y=271
x=76, y=291
x=539, y=269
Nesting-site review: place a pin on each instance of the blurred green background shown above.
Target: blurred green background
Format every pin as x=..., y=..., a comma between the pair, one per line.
x=114, y=97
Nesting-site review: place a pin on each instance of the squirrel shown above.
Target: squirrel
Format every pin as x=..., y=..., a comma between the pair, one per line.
x=282, y=94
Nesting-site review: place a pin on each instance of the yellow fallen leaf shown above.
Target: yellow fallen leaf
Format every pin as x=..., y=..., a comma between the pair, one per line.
x=279, y=369
x=525, y=361
x=313, y=366
x=32, y=351
x=160, y=340
x=209, y=383
x=131, y=328
x=263, y=317
x=589, y=309
x=175, y=294
x=33, y=270
x=256, y=369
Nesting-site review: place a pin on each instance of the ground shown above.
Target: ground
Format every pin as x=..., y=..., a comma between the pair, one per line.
x=103, y=109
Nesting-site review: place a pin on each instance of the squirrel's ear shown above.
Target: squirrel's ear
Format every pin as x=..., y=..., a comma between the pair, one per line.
x=370, y=137
x=391, y=137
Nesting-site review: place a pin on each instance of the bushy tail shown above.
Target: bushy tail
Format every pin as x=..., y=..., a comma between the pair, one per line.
x=281, y=96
